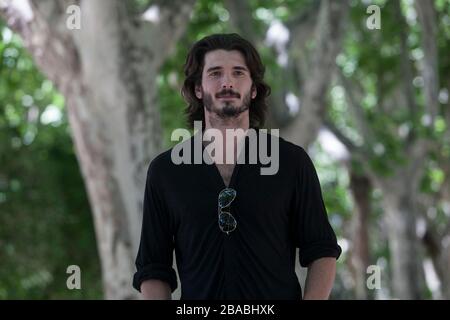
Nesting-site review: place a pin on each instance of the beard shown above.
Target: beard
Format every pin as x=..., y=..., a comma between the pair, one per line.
x=228, y=110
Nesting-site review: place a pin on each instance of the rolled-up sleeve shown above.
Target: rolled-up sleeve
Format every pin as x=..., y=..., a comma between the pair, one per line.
x=155, y=255
x=313, y=233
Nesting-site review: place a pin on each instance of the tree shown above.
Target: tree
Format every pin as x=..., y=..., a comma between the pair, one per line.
x=43, y=227
x=395, y=124
x=106, y=71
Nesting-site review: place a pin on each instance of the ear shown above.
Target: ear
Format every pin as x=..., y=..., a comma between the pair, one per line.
x=198, y=92
x=254, y=92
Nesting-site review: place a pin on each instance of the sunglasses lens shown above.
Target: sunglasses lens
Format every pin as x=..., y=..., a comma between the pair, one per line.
x=226, y=196
x=227, y=223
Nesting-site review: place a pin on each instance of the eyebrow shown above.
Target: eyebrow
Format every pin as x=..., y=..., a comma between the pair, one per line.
x=220, y=68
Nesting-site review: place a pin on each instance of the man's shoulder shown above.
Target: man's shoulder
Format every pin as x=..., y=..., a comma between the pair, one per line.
x=291, y=150
x=163, y=161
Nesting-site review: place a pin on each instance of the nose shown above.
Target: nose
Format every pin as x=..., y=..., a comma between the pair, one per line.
x=227, y=82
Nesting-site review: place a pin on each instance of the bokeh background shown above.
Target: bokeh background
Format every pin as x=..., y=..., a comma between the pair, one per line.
x=86, y=104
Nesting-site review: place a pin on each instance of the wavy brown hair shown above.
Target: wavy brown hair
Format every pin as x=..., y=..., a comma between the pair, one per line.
x=193, y=69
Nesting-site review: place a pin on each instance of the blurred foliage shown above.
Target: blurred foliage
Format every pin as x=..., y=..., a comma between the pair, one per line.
x=45, y=220
x=372, y=60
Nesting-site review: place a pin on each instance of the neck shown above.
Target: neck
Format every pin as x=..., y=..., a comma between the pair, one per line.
x=239, y=122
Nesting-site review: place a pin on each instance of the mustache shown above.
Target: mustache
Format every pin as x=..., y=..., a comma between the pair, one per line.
x=227, y=93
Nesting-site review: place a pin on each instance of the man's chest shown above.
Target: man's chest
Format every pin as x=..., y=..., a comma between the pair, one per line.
x=226, y=171
x=260, y=200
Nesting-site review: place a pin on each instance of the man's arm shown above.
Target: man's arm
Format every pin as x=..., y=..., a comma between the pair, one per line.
x=320, y=279
x=156, y=290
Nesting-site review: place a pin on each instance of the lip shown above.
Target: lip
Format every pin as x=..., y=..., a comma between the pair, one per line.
x=228, y=97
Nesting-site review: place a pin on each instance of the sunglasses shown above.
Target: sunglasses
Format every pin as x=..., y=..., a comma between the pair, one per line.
x=227, y=223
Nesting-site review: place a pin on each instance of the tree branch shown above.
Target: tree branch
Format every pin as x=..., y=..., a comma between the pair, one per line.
x=301, y=26
x=42, y=27
x=406, y=68
x=364, y=127
x=341, y=136
x=169, y=24
x=329, y=31
x=357, y=153
x=427, y=20
x=242, y=20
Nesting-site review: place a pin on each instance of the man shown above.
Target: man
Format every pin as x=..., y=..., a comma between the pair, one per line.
x=234, y=230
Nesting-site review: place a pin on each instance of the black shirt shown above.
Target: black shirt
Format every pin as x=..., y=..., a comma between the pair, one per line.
x=275, y=214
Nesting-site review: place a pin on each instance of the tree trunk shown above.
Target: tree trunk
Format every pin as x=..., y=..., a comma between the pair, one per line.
x=361, y=191
x=438, y=249
x=106, y=71
x=436, y=239
x=407, y=273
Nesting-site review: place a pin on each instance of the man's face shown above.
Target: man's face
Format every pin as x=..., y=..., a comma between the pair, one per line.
x=226, y=88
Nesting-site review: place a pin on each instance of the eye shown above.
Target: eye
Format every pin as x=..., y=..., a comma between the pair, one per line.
x=239, y=73
x=215, y=73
